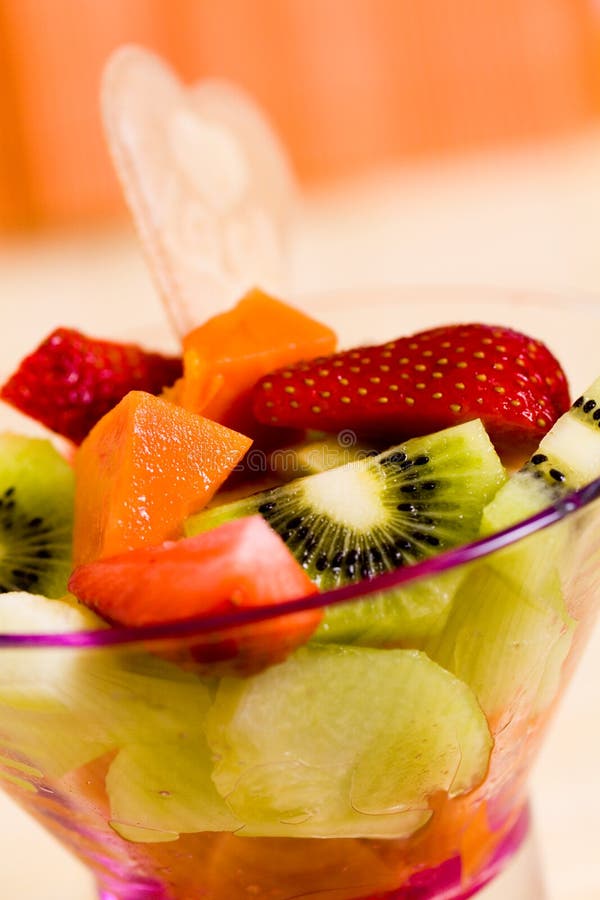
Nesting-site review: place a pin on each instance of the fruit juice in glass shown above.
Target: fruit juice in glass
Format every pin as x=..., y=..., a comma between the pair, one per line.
x=396, y=770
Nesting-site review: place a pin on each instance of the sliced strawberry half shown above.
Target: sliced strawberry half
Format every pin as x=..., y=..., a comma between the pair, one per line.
x=71, y=380
x=419, y=384
x=240, y=564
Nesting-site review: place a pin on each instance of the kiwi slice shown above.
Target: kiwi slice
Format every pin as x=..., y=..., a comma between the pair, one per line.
x=404, y=617
x=159, y=784
x=36, y=516
x=378, y=513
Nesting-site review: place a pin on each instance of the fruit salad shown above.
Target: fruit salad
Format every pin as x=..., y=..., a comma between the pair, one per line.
x=279, y=618
x=273, y=624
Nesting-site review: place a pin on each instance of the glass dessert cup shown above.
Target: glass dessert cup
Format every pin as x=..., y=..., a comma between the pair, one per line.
x=174, y=775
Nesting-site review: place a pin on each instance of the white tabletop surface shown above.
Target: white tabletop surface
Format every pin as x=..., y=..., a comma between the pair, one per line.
x=522, y=218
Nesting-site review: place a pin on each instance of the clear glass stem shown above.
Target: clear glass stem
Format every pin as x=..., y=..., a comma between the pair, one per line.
x=522, y=878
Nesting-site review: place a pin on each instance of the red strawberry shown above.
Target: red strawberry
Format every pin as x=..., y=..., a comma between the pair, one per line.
x=423, y=383
x=71, y=380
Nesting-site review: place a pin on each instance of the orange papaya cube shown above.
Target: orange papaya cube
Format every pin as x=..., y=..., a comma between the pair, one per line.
x=142, y=470
x=225, y=357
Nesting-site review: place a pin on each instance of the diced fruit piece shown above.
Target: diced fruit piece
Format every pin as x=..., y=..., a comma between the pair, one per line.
x=572, y=443
x=226, y=356
x=142, y=470
x=241, y=564
x=38, y=686
x=159, y=790
x=376, y=514
x=36, y=516
x=36, y=678
x=421, y=383
x=502, y=640
x=153, y=714
x=276, y=868
x=285, y=763
x=312, y=457
x=137, y=699
x=71, y=380
x=567, y=458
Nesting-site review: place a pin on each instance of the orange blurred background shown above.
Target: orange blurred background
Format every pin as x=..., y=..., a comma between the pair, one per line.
x=349, y=84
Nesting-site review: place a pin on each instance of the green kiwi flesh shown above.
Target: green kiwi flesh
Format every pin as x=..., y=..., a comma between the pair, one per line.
x=36, y=516
x=376, y=514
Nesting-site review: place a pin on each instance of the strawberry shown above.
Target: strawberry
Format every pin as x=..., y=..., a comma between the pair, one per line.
x=419, y=384
x=70, y=381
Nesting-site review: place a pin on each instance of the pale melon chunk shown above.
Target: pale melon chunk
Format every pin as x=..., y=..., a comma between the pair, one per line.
x=159, y=790
x=61, y=707
x=507, y=643
x=40, y=720
x=345, y=741
x=37, y=677
x=510, y=628
x=135, y=697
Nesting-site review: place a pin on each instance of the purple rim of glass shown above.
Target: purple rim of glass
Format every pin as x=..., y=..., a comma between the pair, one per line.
x=401, y=577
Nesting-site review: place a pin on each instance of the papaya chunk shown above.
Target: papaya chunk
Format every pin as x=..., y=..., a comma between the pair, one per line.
x=142, y=470
x=225, y=357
